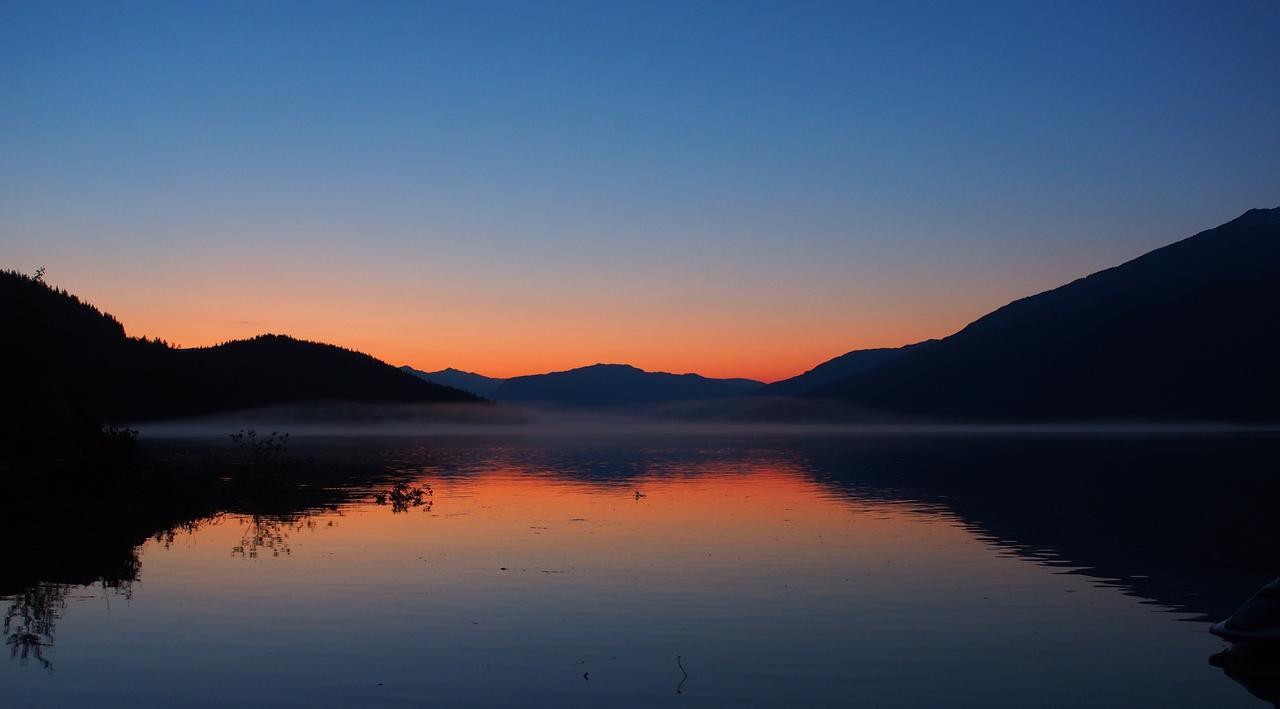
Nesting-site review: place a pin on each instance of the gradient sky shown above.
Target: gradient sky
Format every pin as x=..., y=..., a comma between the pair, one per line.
x=737, y=189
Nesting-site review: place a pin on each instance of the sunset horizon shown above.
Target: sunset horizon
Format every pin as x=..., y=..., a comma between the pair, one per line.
x=565, y=353
x=726, y=352
x=538, y=190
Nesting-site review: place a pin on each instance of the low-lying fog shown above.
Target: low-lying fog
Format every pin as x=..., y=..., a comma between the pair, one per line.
x=693, y=418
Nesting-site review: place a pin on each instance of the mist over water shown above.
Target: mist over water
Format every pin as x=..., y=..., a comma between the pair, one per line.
x=690, y=419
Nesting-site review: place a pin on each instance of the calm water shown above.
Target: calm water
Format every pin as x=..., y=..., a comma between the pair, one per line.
x=762, y=571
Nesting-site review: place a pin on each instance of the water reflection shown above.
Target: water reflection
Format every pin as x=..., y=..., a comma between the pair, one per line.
x=1184, y=524
x=269, y=534
x=403, y=497
x=1256, y=666
x=30, y=619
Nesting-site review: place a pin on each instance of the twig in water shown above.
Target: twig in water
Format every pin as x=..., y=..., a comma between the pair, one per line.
x=680, y=687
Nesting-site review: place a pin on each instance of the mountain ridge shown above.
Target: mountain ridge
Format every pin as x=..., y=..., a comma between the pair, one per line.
x=67, y=355
x=606, y=384
x=470, y=382
x=836, y=368
x=1180, y=332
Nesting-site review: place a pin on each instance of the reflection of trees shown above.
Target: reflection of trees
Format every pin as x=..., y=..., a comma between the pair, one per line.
x=63, y=536
x=66, y=565
x=167, y=537
x=402, y=497
x=46, y=562
x=47, y=573
x=30, y=619
x=269, y=534
x=261, y=533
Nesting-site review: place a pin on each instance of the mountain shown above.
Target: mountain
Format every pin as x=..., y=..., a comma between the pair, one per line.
x=596, y=385
x=477, y=384
x=271, y=369
x=617, y=384
x=1188, y=332
x=837, y=368
x=64, y=355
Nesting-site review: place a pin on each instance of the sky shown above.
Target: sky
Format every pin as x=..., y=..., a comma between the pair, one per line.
x=729, y=188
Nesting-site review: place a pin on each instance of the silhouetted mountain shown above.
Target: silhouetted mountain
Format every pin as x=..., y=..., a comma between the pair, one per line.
x=617, y=384
x=1187, y=332
x=477, y=384
x=271, y=369
x=66, y=355
x=837, y=368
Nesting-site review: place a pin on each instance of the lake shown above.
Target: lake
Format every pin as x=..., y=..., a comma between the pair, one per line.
x=753, y=569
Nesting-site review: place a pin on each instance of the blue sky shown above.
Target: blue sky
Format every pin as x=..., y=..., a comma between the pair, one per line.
x=839, y=174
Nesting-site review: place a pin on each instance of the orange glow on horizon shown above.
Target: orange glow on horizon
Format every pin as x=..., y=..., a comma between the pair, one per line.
x=517, y=330
x=680, y=344
x=503, y=358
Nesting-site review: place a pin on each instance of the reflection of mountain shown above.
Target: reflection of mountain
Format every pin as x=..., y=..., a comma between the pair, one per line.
x=59, y=537
x=1184, y=332
x=62, y=533
x=48, y=551
x=1185, y=521
x=1256, y=666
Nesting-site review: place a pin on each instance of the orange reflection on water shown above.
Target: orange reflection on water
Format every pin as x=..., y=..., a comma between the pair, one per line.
x=514, y=518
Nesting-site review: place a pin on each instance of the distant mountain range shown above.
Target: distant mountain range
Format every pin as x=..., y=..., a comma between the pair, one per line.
x=617, y=384
x=65, y=355
x=594, y=385
x=471, y=382
x=1189, y=331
